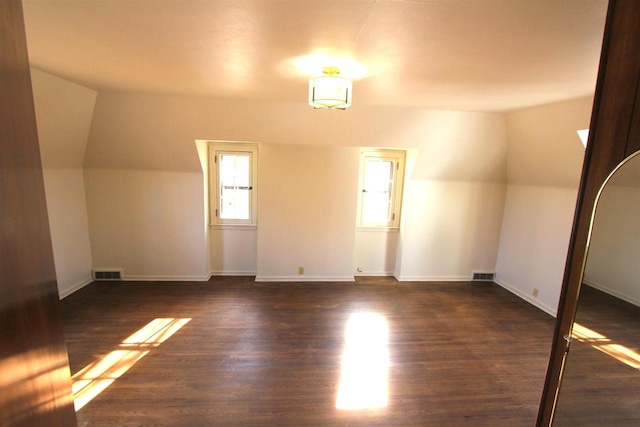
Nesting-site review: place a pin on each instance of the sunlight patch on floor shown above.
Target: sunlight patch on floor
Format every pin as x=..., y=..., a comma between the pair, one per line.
x=97, y=376
x=606, y=345
x=365, y=363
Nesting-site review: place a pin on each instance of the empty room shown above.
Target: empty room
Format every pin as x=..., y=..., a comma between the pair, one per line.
x=324, y=212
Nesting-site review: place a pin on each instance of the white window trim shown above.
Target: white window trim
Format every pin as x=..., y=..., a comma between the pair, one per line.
x=215, y=149
x=399, y=157
x=233, y=227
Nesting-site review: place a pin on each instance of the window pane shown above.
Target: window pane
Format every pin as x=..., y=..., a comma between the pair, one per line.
x=377, y=191
x=235, y=192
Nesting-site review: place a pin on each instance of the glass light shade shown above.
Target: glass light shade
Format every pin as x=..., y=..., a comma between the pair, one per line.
x=330, y=92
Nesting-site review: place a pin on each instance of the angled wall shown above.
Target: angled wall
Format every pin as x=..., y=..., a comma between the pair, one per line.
x=151, y=138
x=145, y=190
x=63, y=112
x=544, y=164
x=454, y=198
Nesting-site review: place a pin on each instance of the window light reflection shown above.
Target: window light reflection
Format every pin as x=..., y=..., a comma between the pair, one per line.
x=605, y=345
x=97, y=376
x=583, y=134
x=365, y=363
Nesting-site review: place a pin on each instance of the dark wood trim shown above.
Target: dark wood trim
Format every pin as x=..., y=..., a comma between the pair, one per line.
x=36, y=385
x=613, y=136
x=633, y=141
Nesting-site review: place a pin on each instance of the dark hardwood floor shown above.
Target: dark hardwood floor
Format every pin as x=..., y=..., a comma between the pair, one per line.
x=270, y=353
x=597, y=388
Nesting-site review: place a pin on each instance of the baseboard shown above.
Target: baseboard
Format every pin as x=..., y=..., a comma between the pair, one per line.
x=373, y=274
x=232, y=273
x=531, y=300
x=402, y=278
x=305, y=279
x=68, y=291
x=612, y=292
x=165, y=278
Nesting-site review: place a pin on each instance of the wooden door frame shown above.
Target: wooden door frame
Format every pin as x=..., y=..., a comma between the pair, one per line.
x=33, y=356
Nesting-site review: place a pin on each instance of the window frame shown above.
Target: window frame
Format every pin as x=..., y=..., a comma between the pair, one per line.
x=243, y=148
x=398, y=157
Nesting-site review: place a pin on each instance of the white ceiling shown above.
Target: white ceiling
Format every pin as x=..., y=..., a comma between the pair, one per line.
x=478, y=55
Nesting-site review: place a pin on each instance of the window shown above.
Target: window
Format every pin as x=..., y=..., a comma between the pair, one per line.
x=381, y=177
x=583, y=134
x=233, y=186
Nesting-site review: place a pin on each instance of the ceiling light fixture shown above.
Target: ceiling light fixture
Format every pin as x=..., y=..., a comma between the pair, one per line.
x=330, y=91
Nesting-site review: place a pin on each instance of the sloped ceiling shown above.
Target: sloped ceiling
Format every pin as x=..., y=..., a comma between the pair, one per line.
x=477, y=55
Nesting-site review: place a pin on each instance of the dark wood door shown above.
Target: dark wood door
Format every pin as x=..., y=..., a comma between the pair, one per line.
x=614, y=135
x=35, y=385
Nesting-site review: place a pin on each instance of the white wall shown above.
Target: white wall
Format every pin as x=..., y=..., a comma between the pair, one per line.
x=156, y=133
x=63, y=112
x=67, y=210
x=234, y=251
x=450, y=229
x=145, y=190
x=150, y=224
x=145, y=194
x=544, y=165
x=307, y=211
x=534, y=242
x=612, y=262
x=375, y=252
x=454, y=199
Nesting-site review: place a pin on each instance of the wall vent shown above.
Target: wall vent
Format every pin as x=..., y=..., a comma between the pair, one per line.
x=483, y=276
x=107, y=274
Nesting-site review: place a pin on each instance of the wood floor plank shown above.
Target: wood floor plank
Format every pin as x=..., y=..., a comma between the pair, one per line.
x=598, y=389
x=466, y=353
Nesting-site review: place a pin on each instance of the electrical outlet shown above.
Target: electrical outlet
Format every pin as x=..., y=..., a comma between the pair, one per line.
x=535, y=292
x=300, y=270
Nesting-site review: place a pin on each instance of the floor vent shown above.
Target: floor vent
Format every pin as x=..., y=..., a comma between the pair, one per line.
x=483, y=276
x=107, y=274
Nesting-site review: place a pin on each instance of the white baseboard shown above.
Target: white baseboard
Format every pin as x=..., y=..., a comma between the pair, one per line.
x=531, y=300
x=613, y=292
x=232, y=273
x=68, y=291
x=165, y=278
x=373, y=274
x=402, y=278
x=305, y=279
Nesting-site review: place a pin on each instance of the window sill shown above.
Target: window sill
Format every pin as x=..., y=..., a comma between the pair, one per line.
x=379, y=229
x=244, y=227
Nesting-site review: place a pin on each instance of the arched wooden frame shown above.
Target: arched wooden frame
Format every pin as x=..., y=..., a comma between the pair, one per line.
x=614, y=135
